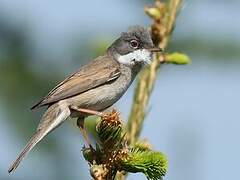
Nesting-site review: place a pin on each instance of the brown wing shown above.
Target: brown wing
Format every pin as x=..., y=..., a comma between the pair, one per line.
x=98, y=72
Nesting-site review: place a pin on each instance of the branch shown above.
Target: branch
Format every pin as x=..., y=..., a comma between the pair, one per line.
x=164, y=17
x=111, y=153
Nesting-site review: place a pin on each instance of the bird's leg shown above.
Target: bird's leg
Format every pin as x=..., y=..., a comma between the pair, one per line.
x=80, y=124
x=80, y=121
x=88, y=111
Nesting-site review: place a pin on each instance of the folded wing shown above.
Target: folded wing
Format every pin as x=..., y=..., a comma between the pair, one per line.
x=100, y=71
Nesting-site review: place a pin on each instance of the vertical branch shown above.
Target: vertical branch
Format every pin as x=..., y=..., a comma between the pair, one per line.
x=164, y=16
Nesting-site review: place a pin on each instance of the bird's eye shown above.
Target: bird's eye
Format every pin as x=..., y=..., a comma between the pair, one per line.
x=134, y=44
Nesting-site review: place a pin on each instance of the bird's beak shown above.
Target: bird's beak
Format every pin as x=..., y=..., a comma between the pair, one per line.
x=155, y=49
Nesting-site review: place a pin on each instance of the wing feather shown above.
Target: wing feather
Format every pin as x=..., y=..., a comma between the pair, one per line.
x=100, y=71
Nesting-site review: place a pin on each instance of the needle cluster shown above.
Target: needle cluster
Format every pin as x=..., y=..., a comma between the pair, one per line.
x=112, y=154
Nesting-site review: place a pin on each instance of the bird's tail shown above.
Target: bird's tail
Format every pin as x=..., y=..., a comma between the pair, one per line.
x=51, y=119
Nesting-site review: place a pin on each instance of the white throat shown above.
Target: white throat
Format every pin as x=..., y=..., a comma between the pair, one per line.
x=140, y=55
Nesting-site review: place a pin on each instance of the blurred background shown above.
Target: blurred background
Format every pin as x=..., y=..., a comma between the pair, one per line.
x=194, y=110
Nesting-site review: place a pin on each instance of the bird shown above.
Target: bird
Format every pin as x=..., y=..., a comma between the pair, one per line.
x=95, y=87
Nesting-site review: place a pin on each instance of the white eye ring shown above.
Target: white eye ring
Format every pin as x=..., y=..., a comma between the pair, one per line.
x=134, y=44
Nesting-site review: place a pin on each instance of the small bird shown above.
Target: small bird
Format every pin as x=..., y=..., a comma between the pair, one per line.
x=95, y=86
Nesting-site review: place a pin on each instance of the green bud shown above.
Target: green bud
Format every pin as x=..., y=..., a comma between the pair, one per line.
x=152, y=164
x=109, y=131
x=142, y=145
x=88, y=154
x=153, y=12
x=177, y=58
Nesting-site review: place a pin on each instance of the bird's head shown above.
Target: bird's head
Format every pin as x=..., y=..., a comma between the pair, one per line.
x=133, y=47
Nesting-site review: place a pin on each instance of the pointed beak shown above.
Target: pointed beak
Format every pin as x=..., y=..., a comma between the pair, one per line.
x=155, y=49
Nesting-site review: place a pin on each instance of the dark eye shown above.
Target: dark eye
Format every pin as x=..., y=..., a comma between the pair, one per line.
x=134, y=44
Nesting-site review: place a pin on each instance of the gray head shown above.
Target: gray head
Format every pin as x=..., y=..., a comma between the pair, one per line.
x=133, y=47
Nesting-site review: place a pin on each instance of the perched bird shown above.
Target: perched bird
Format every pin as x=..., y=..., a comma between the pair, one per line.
x=95, y=86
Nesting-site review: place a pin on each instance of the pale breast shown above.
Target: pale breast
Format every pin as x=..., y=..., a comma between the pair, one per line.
x=106, y=95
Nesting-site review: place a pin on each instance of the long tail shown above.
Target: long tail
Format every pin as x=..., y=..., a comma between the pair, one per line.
x=51, y=119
